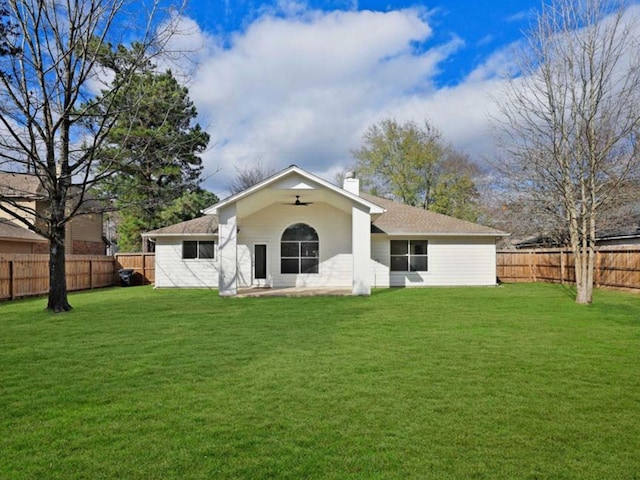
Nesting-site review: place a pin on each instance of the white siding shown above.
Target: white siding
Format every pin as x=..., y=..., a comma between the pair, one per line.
x=267, y=225
x=173, y=271
x=452, y=261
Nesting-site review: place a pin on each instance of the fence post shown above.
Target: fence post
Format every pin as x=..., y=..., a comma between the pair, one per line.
x=144, y=268
x=598, y=267
x=90, y=274
x=12, y=287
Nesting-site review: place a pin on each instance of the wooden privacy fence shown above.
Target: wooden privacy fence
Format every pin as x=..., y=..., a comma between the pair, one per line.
x=143, y=264
x=617, y=267
x=23, y=275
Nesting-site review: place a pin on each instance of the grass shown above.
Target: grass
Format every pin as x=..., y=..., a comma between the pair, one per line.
x=465, y=383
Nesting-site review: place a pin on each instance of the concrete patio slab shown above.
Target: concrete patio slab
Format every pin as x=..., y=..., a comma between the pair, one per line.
x=293, y=292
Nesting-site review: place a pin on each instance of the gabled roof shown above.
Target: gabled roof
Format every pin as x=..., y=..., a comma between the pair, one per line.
x=293, y=169
x=11, y=231
x=206, y=225
x=401, y=219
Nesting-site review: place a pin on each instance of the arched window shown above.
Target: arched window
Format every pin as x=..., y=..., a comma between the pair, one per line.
x=299, y=249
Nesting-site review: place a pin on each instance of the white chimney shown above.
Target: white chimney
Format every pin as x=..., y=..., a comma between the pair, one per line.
x=351, y=183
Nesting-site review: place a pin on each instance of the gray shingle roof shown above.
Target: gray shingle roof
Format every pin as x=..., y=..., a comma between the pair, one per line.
x=398, y=219
x=205, y=225
x=11, y=231
x=19, y=185
x=404, y=219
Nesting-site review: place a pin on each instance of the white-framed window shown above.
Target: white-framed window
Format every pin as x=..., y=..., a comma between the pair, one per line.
x=299, y=249
x=198, y=249
x=409, y=255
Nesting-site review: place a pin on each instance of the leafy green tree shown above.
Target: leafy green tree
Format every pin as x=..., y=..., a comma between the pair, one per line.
x=154, y=147
x=455, y=193
x=132, y=222
x=413, y=164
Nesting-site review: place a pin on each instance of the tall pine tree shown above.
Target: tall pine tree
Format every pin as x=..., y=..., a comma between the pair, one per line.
x=154, y=147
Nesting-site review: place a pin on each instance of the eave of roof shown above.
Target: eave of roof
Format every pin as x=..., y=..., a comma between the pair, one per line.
x=204, y=226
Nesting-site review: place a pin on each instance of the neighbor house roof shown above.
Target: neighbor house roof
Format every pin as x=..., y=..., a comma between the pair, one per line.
x=19, y=185
x=404, y=219
x=11, y=231
x=206, y=225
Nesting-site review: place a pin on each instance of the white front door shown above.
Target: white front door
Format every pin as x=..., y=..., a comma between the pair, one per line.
x=260, y=266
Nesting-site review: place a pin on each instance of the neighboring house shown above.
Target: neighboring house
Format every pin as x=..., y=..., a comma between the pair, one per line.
x=15, y=239
x=296, y=229
x=627, y=235
x=83, y=233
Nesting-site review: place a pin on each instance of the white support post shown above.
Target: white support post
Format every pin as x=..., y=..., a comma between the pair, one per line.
x=361, y=250
x=228, y=251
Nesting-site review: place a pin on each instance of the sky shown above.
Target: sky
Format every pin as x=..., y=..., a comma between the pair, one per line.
x=292, y=82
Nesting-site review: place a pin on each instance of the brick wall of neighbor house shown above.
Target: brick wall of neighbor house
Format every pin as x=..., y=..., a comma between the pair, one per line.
x=82, y=247
x=41, y=248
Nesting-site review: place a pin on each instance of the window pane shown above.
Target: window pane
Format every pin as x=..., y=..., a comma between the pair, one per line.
x=419, y=264
x=399, y=247
x=299, y=232
x=289, y=249
x=399, y=264
x=309, y=249
x=419, y=247
x=189, y=249
x=309, y=265
x=206, y=250
x=288, y=265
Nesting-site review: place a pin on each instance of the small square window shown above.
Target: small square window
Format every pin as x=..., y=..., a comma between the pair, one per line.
x=189, y=249
x=309, y=265
x=419, y=264
x=399, y=264
x=419, y=247
x=399, y=247
x=206, y=250
x=289, y=249
x=289, y=265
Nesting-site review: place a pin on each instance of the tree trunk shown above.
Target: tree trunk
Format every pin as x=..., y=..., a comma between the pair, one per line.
x=58, y=301
x=585, y=261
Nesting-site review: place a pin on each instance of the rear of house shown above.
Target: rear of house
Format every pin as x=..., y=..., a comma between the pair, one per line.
x=296, y=229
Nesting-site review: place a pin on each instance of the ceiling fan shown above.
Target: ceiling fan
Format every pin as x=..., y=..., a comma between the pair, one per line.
x=298, y=203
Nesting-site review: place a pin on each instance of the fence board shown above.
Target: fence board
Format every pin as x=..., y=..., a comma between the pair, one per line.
x=23, y=275
x=616, y=267
x=143, y=265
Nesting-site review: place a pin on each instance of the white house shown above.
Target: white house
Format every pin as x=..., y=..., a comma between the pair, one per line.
x=295, y=229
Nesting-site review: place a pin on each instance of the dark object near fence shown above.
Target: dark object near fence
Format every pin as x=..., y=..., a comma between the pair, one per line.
x=126, y=276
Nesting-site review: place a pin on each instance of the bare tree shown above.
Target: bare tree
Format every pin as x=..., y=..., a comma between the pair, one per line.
x=47, y=130
x=249, y=175
x=571, y=120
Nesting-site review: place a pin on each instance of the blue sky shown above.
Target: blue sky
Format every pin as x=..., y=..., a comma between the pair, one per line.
x=293, y=82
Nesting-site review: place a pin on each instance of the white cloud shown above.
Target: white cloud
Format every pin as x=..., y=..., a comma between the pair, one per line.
x=301, y=89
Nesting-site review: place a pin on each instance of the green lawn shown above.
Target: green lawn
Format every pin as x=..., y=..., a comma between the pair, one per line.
x=464, y=383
